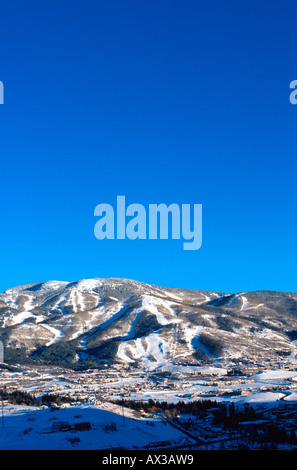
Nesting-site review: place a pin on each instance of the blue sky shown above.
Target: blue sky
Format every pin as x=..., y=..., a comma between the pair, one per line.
x=160, y=101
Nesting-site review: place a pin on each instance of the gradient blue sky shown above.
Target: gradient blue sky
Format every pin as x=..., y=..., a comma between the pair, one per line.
x=160, y=101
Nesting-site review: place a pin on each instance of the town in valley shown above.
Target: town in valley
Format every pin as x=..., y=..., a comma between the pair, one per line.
x=223, y=406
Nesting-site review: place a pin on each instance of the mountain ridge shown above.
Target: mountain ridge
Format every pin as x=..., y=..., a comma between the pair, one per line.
x=96, y=322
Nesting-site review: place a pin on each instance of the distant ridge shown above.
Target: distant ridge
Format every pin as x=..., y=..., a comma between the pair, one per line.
x=92, y=322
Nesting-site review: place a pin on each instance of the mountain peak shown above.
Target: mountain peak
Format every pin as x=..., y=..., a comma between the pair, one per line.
x=95, y=321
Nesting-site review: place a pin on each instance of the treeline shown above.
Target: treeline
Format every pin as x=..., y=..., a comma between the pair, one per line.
x=195, y=407
x=20, y=397
x=49, y=398
x=279, y=435
x=223, y=413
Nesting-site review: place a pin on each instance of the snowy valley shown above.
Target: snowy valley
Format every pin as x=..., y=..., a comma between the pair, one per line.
x=115, y=363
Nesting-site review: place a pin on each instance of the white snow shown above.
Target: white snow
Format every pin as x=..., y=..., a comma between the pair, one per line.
x=24, y=311
x=291, y=397
x=89, y=284
x=177, y=297
x=53, y=285
x=275, y=374
x=191, y=335
x=244, y=303
x=30, y=428
x=57, y=334
x=152, y=351
x=151, y=305
x=20, y=317
x=247, y=306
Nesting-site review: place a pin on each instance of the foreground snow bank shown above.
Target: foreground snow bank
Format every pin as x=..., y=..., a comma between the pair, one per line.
x=40, y=428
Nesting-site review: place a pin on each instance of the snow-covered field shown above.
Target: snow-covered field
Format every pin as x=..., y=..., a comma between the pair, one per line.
x=112, y=426
x=31, y=428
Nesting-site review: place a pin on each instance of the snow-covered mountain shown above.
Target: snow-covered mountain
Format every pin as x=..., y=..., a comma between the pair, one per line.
x=95, y=321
